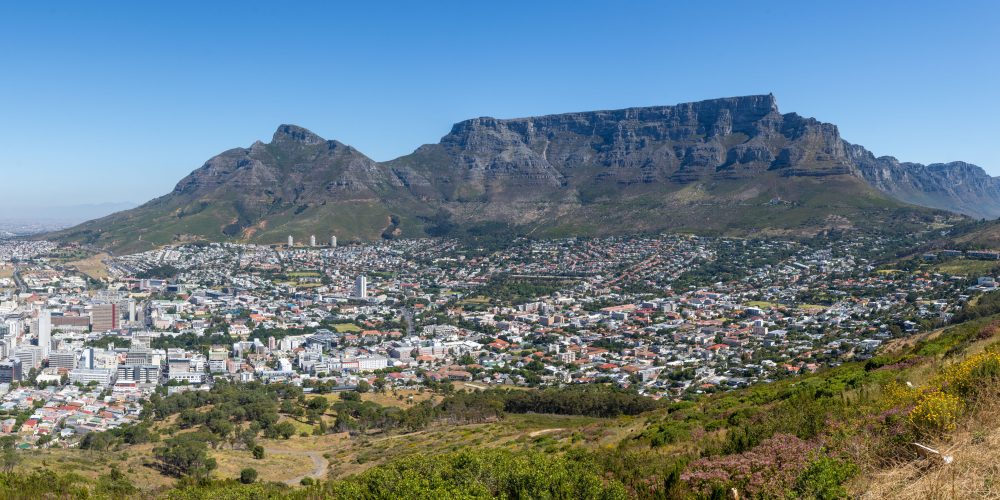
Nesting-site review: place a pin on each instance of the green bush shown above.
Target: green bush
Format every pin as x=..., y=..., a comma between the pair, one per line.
x=824, y=479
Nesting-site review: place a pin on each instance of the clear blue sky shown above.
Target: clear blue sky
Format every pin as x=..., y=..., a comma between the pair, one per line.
x=103, y=102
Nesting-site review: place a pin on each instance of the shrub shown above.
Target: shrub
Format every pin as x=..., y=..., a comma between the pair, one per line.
x=768, y=470
x=824, y=478
x=936, y=412
x=248, y=475
x=972, y=375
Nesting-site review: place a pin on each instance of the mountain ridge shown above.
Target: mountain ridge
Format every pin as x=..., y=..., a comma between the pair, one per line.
x=723, y=165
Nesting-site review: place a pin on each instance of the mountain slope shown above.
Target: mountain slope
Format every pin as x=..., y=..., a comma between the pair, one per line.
x=732, y=165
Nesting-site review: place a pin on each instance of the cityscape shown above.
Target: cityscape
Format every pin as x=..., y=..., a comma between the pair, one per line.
x=520, y=251
x=83, y=351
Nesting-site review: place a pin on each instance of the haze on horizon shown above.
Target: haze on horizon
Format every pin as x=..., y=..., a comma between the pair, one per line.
x=108, y=102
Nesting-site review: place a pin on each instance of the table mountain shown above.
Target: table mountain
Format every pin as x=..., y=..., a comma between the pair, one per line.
x=732, y=165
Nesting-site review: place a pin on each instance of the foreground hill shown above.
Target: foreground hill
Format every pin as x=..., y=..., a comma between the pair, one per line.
x=733, y=165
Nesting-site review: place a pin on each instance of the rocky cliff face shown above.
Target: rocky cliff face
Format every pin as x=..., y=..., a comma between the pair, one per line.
x=956, y=186
x=706, y=166
x=731, y=138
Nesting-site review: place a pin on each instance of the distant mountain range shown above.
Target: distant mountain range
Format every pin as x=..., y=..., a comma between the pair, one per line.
x=733, y=165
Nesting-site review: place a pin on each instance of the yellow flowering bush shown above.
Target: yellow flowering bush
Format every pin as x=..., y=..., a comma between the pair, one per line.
x=898, y=395
x=972, y=375
x=935, y=412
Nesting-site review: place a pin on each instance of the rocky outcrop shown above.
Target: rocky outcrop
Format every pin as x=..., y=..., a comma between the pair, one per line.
x=956, y=186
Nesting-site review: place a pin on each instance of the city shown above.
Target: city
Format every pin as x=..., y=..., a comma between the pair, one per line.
x=81, y=353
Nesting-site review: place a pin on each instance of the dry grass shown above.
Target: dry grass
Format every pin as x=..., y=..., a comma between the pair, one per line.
x=275, y=466
x=973, y=473
x=6, y=271
x=92, y=266
x=91, y=464
x=409, y=397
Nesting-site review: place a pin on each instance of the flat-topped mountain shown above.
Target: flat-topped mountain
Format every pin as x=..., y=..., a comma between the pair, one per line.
x=732, y=165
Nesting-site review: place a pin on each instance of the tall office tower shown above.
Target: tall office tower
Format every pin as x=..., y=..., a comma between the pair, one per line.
x=10, y=371
x=14, y=330
x=333, y=241
x=361, y=287
x=88, y=358
x=131, y=311
x=30, y=356
x=312, y=240
x=291, y=241
x=104, y=317
x=272, y=343
x=45, y=332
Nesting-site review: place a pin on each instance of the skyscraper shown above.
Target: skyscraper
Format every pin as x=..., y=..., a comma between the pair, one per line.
x=333, y=241
x=291, y=241
x=312, y=240
x=45, y=332
x=104, y=317
x=361, y=287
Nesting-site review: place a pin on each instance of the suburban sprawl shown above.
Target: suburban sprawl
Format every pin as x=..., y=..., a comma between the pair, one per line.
x=667, y=316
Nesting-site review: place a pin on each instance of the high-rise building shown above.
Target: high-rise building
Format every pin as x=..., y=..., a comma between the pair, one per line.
x=361, y=287
x=104, y=317
x=312, y=240
x=44, y=332
x=131, y=311
x=10, y=371
x=333, y=241
x=291, y=241
x=217, y=357
x=62, y=359
x=29, y=356
x=272, y=343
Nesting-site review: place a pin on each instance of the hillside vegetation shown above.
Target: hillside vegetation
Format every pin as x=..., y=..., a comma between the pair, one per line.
x=846, y=431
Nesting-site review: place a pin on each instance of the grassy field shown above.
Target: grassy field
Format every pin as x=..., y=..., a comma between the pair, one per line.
x=91, y=464
x=403, y=398
x=346, y=327
x=967, y=267
x=275, y=466
x=92, y=266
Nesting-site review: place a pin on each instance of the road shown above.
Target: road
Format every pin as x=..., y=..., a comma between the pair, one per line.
x=317, y=458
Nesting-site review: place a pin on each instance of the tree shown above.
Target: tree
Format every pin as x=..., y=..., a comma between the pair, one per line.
x=248, y=475
x=9, y=459
x=363, y=386
x=186, y=455
x=258, y=452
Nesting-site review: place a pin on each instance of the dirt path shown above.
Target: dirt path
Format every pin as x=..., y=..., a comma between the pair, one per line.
x=317, y=458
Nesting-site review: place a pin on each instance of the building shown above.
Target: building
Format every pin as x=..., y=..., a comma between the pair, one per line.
x=312, y=240
x=44, y=332
x=10, y=371
x=143, y=374
x=291, y=241
x=217, y=357
x=62, y=359
x=84, y=376
x=104, y=317
x=333, y=241
x=139, y=356
x=30, y=356
x=361, y=287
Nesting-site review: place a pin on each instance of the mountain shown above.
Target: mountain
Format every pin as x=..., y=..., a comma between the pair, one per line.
x=956, y=186
x=732, y=165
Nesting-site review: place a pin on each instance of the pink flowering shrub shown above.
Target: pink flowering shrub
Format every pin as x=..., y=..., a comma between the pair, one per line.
x=767, y=470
